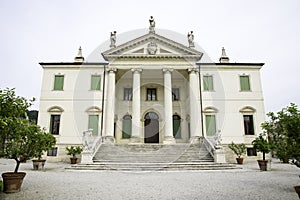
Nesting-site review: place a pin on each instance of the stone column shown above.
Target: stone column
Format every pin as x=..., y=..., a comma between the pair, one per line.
x=136, y=106
x=110, y=107
x=168, y=107
x=195, y=112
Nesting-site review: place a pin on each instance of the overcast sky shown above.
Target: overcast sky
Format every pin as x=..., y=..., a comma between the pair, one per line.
x=251, y=31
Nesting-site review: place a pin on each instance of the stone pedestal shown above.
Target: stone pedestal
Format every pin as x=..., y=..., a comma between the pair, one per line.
x=169, y=140
x=86, y=157
x=220, y=155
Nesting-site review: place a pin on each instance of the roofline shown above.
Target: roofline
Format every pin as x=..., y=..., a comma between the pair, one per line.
x=251, y=64
x=74, y=63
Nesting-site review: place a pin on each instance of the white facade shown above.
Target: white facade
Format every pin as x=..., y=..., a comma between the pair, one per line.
x=136, y=84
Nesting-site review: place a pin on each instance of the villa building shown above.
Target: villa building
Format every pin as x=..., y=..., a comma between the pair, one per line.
x=151, y=89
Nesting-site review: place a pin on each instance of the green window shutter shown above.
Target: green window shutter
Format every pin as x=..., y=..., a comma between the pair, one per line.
x=58, y=82
x=208, y=84
x=210, y=125
x=93, y=123
x=176, y=127
x=245, y=83
x=95, y=82
x=126, y=127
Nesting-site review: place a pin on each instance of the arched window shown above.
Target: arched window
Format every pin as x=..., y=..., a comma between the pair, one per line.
x=176, y=126
x=55, y=117
x=126, y=126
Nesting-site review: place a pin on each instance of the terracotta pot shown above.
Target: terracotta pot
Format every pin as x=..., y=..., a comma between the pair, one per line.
x=262, y=164
x=37, y=163
x=297, y=189
x=12, y=182
x=239, y=161
x=73, y=160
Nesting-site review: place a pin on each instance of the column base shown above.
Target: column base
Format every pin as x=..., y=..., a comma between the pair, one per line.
x=169, y=140
x=108, y=140
x=135, y=140
x=86, y=157
x=195, y=140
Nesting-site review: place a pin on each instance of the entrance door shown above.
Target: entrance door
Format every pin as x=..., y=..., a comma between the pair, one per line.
x=151, y=128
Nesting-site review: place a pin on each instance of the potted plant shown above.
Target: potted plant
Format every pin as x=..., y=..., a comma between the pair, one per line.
x=44, y=142
x=239, y=150
x=261, y=144
x=72, y=151
x=18, y=136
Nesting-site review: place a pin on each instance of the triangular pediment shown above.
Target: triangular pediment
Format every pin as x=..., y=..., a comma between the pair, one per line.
x=152, y=46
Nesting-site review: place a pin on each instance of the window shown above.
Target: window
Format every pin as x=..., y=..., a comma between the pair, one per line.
x=151, y=94
x=251, y=152
x=52, y=152
x=93, y=124
x=127, y=94
x=54, y=124
x=126, y=127
x=210, y=125
x=245, y=83
x=58, y=82
x=208, y=84
x=176, y=126
x=248, y=124
x=175, y=94
x=95, y=82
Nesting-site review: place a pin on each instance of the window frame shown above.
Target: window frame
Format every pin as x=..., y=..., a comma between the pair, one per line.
x=89, y=123
x=151, y=94
x=175, y=97
x=128, y=119
x=247, y=131
x=208, y=83
x=52, y=152
x=98, y=86
x=215, y=124
x=55, y=83
x=242, y=87
x=52, y=124
x=127, y=94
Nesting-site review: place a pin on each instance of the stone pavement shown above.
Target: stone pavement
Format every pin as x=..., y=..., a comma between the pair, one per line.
x=54, y=182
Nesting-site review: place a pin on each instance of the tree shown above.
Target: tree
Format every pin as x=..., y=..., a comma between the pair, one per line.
x=19, y=136
x=283, y=130
x=261, y=144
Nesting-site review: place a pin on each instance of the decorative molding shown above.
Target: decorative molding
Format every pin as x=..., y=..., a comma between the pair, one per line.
x=247, y=109
x=55, y=109
x=210, y=109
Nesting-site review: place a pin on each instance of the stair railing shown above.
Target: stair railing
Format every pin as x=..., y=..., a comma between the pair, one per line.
x=91, y=144
x=209, y=146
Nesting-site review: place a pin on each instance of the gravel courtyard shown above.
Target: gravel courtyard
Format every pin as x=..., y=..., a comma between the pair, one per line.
x=248, y=183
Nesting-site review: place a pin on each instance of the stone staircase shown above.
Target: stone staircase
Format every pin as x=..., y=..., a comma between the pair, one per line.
x=152, y=157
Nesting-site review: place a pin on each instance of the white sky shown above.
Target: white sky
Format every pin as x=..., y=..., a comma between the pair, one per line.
x=266, y=31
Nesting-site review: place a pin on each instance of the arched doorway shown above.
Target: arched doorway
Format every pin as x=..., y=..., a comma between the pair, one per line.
x=151, y=134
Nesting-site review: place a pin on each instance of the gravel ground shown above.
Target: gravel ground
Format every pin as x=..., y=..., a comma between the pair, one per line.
x=248, y=183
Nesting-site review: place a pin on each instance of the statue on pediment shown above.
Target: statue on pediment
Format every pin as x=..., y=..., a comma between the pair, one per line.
x=191, y=39
x=113, y=39
x=152, y=25
x=152, y=48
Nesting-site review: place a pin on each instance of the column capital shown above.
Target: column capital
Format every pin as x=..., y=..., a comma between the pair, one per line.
x=193, y=70
x=111, y=69
x=138, y=70
x=167, y=70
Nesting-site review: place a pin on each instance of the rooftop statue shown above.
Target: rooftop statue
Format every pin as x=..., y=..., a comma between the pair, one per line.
x=113, y=39
x=152, y=25
x=191, y=39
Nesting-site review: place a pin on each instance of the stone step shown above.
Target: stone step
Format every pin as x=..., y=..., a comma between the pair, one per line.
x=152, y=166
